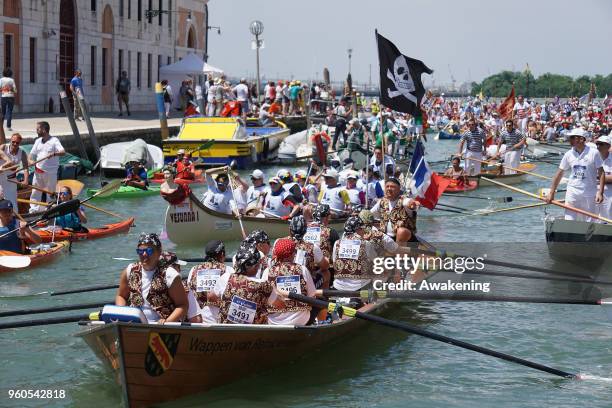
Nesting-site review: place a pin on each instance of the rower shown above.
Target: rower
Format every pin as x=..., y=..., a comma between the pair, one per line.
x=261, y=240
x=319, y=233
x=219, y=196
x=289, y=277
x=355, y=194
x=377, y=161
x=277, y=202
x=202, y=280
x=456, y=172
x=185, y=168
x=397, y=213
x=74, y=220
x=153, y=284
x=475, y=139
x=16, y=155
x=15, y=241
x=514, y=140
x=334, y=195
x=136, y=175
x=374, y=187
x=180, y=154
x=586, y=166
x=259, y=186
x=603, y=145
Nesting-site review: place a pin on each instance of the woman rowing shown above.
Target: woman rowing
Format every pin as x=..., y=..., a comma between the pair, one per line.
x=19, y=230
x=456, y=173
x=202, y=280
x=73, y=221
x=153, y=284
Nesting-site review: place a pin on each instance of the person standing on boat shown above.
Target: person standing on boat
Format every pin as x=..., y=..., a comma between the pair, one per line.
x=153, y=284
x=19, y=230
x=397, y=213
x=521, y=112
x=16, y=155
x=475, y=139
x=587, y=179
x=514, y=140
x=289, y=277
x=334, y=194
x=219, y=195
x=603, y=145
x=202, y=280
x=45, y=172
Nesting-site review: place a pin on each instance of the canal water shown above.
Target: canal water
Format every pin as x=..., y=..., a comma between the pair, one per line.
x=379, y=367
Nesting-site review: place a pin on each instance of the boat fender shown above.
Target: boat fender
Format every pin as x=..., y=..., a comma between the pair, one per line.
x=114, y=313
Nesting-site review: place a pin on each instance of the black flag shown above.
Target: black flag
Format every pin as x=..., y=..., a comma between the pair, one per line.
x=401, y=88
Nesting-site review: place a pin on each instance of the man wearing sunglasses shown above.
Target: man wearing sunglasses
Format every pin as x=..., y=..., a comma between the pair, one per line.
x=45, y=177
x=219, y=195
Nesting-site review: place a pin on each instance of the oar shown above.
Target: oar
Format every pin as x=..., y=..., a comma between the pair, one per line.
x=366, y=294
x=570, y=279
x=476, y=197
x=48, y=321
x=23, y=200
x=555, y=202
x=452, y=206
x=520, y=207
x=512, y=168
x=16, y=166
x=15, y=261
x=108, y=190
x=64, y=208
x=22, y=312
x=235, y=204
x=425, y=333
x=206, y=145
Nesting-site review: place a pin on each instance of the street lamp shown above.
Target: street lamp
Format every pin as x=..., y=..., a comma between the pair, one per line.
x=256, y=29
x=350, y=53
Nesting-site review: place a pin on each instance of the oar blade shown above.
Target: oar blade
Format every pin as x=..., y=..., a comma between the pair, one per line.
x=15, y=261
x=108, y=189
x=64, y=208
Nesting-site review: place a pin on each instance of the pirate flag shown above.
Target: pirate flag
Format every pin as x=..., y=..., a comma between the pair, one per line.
x=400, y=78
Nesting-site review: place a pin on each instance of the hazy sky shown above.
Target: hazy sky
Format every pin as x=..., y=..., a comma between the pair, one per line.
x=475, y=37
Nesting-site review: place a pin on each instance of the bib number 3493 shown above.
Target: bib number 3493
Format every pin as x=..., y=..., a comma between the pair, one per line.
x=241, y=311
x=207, y=279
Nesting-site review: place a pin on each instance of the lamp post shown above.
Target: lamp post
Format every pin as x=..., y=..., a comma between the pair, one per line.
x=256, y=29
x=350, y=54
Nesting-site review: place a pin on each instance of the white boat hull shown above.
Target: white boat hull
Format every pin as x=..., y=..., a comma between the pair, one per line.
x=578, y=240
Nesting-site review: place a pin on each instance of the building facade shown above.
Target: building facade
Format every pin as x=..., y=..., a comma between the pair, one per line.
x=44, y=41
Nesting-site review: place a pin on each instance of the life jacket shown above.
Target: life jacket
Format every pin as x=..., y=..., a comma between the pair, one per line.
x=158, y=297
x=351, y=262
x=69, y=221
x=210, y=271
x=184, y=171
x=399, y=217
x=318, y=234
x=288, y=276
x=11, y=242
x=231, y=108
x=244, y=301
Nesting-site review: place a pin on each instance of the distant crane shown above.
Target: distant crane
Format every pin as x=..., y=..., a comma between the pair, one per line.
x=453, y=88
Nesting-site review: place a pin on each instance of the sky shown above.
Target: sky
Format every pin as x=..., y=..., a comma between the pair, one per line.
x=468, y=39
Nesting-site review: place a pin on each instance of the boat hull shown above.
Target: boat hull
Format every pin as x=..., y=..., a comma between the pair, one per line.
x=126, y=192
x=577, y=241
x=39, y=257
x=94, y=233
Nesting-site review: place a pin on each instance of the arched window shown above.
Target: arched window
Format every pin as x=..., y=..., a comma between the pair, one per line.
x=107, y=20
x=191, y=38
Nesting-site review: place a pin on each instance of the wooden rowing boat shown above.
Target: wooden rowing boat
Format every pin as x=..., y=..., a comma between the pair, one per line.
x=504, y=178
x=39, y=255
x=93, y=233
x=456, y=187
x=157, y=363
x=192, y=223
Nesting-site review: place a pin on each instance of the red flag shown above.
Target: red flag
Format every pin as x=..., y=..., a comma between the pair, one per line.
x=437, y=185
x=505, y=108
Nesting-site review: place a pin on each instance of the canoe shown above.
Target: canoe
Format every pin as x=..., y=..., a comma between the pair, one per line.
x=158, y=178
x=39, y=254
x=504, y=178
x=192, y=223
x=158, y=363
x=94, y=233
x=448, y=136
x=455, y=187
x=127, y=192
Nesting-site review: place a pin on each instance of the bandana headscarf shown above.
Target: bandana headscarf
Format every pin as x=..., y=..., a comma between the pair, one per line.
x=213, y=249
x=284, y=250
x=320, y=212
x=297, y=227
x=366, y=217
x=149, y=239
x=258, y=236
x=168, y=258
x=352, y=224
x=246, y=256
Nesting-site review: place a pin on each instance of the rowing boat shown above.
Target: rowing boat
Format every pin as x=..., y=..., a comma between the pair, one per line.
x=192, y=223
x=456, y=187
x=104, y=231
x=126, y=192
x=157, y=363
x=504, y=178
x=39, y=255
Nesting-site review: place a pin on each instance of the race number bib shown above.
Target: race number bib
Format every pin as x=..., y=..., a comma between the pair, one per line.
x=578, y=172
x=300, y=257
x=207, y=279
x=241, y=311
x=349, y=249
x=289, y=284
x=313, y=235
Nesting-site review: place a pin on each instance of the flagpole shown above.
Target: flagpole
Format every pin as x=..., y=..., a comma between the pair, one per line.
x=407, y=185
x=382, y=108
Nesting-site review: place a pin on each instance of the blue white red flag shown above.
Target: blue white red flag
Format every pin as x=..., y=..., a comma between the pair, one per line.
x=426, y=185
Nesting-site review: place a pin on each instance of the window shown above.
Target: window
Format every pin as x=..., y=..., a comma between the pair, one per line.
x=139, y=10
x=149, y=70
x=129, y=64
x=138, y=69
x=169, y=60
x=150, y=8
x=159, y=62
x=121, y=7
x=120, y=61
x=161, y=7
x=32, y=59
x=93, y=5
x=191, y=38
x=129, y=9
x=92, y=73
x=104, y=67
x=8, y=50
x=170, y=14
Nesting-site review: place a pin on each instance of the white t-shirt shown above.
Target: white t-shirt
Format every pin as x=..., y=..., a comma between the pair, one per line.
x=299, y=317
x=209, y=314
x=7, y=87
x=607, y=166
x=147, y=276
x=41, y=150
x=242, y=92
x=583, y=167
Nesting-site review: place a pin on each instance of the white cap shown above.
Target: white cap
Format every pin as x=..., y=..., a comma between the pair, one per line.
x=577, y=131
x=331, y=173
x=352, y=175
x=603, y=139
x=257, y=174
x=300, y=174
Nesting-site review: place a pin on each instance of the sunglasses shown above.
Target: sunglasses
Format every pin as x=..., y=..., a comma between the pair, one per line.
x=64, y=193
x=143, y=251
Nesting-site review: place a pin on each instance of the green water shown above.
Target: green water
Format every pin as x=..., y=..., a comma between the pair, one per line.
x=377, y=368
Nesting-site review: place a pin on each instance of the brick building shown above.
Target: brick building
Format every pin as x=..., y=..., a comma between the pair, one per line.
x=43, y=41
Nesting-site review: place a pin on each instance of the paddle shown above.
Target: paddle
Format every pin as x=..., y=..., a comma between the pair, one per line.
x=367, y=294
x=476, y=197
x=23, y=200
x=452, y=206
x=64, y=208
x=425, y=333
x=22, y=312
x=206, y=145
x=107, y=190
x=555, y=202
x=512, y=168
x=487, y=212
x=15, y=261
x=47, y=321
x=234, y=204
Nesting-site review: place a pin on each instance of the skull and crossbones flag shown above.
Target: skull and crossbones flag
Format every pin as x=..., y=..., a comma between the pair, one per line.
x=401, y=88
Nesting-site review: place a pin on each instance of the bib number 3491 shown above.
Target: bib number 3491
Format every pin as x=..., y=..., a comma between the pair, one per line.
x=241, y=311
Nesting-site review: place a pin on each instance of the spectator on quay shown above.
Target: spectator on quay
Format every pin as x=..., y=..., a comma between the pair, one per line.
x=167, y=94
x=122, y=88
x=76, y=86
x=8, y=89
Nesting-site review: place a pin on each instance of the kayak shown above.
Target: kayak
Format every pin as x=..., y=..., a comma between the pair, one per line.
x=456, y=187
x=39, y=254
x=198, y=178
x=127, y=192
x=94, y=233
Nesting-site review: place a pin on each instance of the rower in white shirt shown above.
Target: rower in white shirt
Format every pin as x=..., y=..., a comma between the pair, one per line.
x=603, y=145
x=219, y=195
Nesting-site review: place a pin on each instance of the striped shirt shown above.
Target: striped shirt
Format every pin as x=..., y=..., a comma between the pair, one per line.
x=510, y=139
x=475, y=140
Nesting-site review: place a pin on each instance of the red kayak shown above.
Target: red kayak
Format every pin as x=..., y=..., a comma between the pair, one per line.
x=198, y=178
x=456, y=187
x=93, y=233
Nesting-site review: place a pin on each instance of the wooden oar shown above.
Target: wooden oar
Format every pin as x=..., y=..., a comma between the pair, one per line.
x=23, y=200
x=235, y=204
x=476, y=197
x=520, y=207
x=47, y=321
x=62, y=308
x=571, y=278
x=512, y=168
x=555, y=202
x=16, y=166
x=108, y=190
x=15, y=261
x=425, y=333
